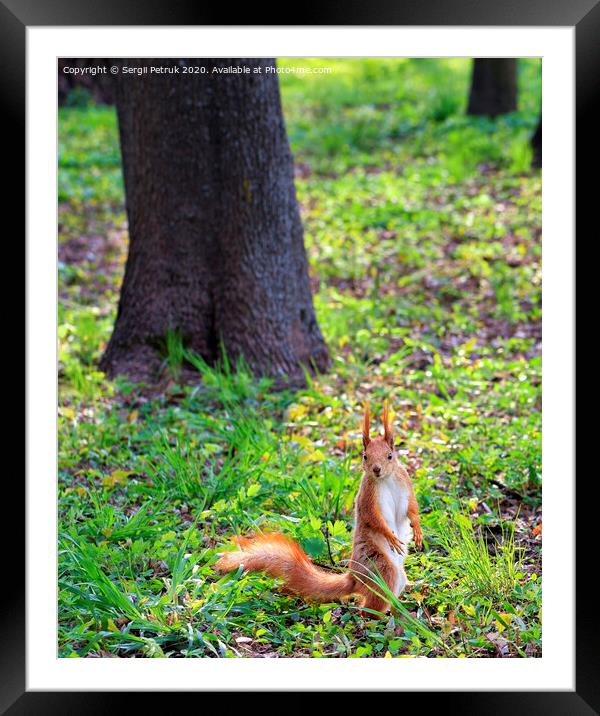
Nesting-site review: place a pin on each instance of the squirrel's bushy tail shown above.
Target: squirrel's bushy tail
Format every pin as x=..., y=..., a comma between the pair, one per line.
x=276, y=555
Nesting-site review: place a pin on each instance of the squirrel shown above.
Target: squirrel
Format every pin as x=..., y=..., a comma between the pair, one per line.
x=385, y=509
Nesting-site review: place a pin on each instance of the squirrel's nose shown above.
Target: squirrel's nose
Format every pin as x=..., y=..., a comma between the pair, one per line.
x=376, y=469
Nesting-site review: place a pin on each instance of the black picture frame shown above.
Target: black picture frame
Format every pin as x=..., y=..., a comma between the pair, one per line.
x=584, y=17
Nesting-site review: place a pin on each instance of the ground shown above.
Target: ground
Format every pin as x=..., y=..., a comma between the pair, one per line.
x=423, y=230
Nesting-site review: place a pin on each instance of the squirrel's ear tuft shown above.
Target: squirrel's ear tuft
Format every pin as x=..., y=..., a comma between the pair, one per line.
x=388, y=431
x=366, y=427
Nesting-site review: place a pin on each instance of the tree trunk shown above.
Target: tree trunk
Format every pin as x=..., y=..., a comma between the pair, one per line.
x=216, y=243
x=493, y=86
x=536, y=145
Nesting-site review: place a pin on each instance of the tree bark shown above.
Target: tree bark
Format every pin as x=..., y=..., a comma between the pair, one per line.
x=536, y=145
x=216, y=242
x=493, y=86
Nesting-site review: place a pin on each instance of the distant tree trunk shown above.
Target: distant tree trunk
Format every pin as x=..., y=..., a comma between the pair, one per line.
x=216, y=243
x=536, y=145
x=493, y=86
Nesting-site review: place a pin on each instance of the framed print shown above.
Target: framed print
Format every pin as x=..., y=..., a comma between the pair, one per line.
x=285, y=378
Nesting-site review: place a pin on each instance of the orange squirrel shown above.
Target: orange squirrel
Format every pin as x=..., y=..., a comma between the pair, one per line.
x=385, y=509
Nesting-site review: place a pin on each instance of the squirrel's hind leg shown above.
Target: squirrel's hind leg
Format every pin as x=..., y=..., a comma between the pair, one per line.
x=375, y=602
x=373, y=599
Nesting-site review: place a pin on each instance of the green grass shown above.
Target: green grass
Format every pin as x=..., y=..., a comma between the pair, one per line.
x=492, y=575
x=422, y=228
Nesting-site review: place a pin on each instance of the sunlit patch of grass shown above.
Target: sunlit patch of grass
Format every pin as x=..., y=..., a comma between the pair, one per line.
x=488, y=565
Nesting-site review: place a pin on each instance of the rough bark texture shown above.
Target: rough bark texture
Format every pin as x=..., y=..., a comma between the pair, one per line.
x=493, y=86
x=536, y=145
x=216, y=242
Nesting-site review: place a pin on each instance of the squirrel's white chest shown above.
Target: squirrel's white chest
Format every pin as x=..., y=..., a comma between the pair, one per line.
x=393, y=504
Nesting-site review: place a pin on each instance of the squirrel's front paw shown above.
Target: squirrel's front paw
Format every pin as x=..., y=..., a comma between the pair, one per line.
x=418, y=535
x=396, y=545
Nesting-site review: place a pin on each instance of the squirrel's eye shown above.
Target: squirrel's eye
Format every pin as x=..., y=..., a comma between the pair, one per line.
x=364, y=455
x=390, y=456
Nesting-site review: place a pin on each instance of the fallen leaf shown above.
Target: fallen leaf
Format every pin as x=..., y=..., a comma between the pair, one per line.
x=312, y=456
x=295, y=412
x=117, y=477
x=503, y=620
